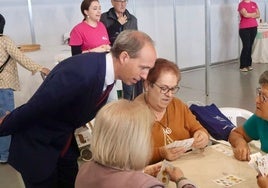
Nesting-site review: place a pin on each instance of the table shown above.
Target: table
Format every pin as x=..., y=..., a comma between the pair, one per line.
x=260, y=47
x=215, y=162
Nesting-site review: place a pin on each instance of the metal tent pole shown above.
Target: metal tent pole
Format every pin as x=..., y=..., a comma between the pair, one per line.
x=175, y=31
x=207, y=43
x=31, y=21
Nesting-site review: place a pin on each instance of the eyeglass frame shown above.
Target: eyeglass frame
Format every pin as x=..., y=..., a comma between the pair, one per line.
x=166, y=89
x=262, y=97
x=120, y=1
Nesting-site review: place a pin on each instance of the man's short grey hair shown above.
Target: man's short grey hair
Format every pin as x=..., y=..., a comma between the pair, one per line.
x=131, y=41
x=264, y=78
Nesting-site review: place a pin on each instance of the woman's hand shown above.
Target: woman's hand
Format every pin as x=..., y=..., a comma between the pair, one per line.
x=153, y=170
x=242, y=151
x=174, y=173
x=200, y=139
x=262, y=181
x=101, y=48
x=45, y=70
x=171, y=154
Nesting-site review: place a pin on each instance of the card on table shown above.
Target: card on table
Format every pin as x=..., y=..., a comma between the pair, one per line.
x=228, y=181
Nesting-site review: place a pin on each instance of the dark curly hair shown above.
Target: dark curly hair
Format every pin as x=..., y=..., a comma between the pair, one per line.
x=2, y=23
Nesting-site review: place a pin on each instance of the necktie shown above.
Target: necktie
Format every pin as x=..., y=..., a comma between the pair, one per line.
x=105, y=94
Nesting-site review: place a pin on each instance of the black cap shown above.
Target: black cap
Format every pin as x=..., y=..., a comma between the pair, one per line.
x=2, y=23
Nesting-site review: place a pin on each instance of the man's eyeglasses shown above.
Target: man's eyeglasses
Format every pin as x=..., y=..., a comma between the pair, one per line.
x=120, y=1
x=262, y=97
x=165, y=89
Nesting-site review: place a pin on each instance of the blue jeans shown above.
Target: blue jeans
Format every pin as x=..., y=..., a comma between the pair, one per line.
x=6, y=104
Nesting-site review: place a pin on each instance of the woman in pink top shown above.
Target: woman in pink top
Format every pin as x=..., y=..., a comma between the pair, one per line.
x=247, y=31
x=90, y=35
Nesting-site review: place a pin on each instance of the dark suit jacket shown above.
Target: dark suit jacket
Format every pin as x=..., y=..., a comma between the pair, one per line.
x=65, y=101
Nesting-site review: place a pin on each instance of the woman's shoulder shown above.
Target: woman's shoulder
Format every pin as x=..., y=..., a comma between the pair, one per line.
x=79, y=26
x=145, y=180
x=140, y=98
x=176, y=101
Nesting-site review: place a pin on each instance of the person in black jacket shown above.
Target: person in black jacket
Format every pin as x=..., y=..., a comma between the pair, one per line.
x=116, y=20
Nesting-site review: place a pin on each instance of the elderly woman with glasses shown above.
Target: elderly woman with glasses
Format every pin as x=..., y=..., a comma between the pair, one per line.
x=256, y=127
x=173, y=119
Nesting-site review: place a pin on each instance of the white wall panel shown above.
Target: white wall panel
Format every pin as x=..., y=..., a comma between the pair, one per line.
x=53, y=18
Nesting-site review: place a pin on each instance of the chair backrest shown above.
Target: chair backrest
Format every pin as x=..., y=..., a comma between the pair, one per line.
x=233, y=113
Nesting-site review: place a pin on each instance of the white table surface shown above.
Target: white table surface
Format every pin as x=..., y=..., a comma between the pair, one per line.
x=215, y=162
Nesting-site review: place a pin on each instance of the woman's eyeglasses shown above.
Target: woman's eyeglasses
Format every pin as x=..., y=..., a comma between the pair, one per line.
x=262, y=97
x=165, y=89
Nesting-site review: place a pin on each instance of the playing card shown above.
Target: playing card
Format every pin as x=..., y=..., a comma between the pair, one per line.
x=262, y=165
x=259, y=162
x=163, y=176
x=187, y=143
x=253, y=161
x=228, y=181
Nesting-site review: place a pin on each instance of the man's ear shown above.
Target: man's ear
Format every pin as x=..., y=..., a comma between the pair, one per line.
x=124, y=57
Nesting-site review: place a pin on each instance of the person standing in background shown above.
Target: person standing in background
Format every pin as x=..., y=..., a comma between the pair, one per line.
x=90, y=35
x=116, y=20
x=10, y=55
x=248, y=11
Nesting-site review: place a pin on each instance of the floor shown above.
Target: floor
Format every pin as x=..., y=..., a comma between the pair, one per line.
x=227, y=87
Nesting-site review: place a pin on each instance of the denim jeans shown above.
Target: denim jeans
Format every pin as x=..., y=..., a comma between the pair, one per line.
x=6, y=104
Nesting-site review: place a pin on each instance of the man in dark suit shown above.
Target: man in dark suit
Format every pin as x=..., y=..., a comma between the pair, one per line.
x=43, y=148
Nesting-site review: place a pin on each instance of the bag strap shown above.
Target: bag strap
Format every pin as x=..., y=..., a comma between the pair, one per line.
x=3, y=66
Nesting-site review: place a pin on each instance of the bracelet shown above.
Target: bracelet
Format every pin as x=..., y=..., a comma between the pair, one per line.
x=179, y=179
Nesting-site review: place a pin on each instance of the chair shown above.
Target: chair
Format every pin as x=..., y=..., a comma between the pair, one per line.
x=233, y=113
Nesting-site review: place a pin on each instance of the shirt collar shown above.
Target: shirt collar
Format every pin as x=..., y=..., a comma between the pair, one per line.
x=109, y=77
